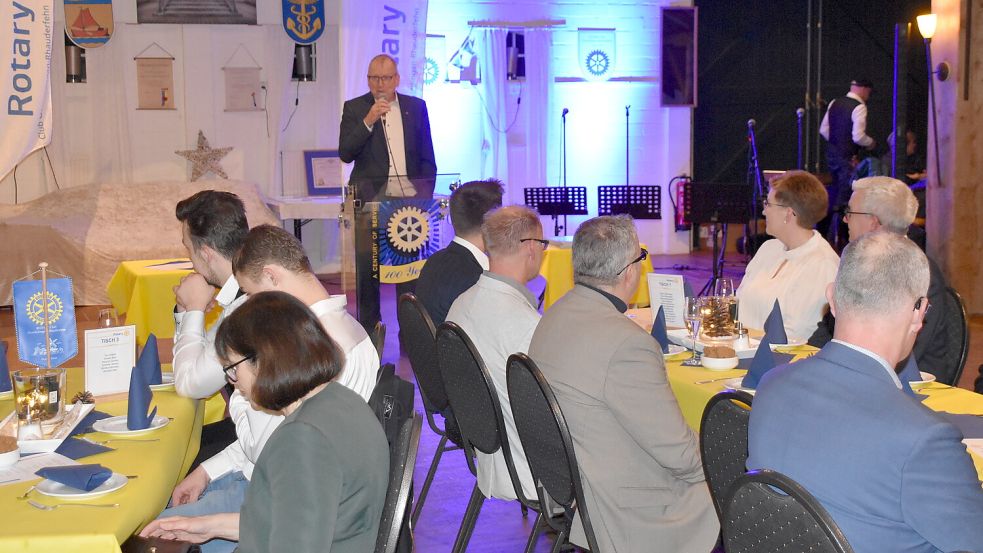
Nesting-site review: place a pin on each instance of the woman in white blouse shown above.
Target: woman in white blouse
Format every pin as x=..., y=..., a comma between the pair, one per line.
x=797, y=265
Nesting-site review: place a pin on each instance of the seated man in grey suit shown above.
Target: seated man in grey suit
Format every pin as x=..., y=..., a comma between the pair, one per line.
x=499, y=315
x=892, y=473
x=639, y=461
x=457, y=267
x=883, y=203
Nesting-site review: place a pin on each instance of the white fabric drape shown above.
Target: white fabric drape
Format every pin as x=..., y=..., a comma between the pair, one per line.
x=493, y=64
x=538, y=105
x=280, y=103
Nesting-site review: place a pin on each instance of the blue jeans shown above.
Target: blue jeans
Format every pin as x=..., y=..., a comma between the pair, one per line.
x=225, y=494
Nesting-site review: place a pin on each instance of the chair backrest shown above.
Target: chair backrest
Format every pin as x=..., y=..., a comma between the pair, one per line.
x=379, y=338
x=418, y=338
x=545, y=438
x=956, y=337
x=469, y=389
x=723, y=442
x=768, y=512
x=402, y=460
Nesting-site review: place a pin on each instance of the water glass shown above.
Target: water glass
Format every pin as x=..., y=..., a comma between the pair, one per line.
x=108, y=317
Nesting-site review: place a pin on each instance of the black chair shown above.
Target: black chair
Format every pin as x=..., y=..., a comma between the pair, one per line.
x=723, y=442
x=768, y=512
x=402, y=460
x=417, y=337
x=478, y=412
x=378, y=337
x=956, y=326
x=549, y=448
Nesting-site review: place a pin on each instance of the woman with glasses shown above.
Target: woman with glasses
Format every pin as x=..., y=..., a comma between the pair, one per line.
x=797, y=265
x=320, y=482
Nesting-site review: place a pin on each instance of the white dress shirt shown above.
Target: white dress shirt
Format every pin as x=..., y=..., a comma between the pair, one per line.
x=859, y=118
x=479, y=256
x=796, y=278
x=253, y=428
x=197, y=370
x=499, y=315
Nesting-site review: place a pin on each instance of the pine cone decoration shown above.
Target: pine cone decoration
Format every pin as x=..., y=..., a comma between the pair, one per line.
x=84, y=397
x=718, y=321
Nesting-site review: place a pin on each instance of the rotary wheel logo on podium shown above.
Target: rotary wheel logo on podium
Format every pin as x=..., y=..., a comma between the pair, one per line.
x=408, y=234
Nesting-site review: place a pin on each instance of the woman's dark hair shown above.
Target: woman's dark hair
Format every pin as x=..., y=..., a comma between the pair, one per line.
x=292, y=352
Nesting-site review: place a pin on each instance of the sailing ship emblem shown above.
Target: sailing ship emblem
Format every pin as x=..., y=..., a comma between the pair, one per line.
x=303, y=20
x=89, y=23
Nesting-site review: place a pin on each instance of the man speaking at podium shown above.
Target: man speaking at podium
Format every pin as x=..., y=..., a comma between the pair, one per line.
x=388, y=137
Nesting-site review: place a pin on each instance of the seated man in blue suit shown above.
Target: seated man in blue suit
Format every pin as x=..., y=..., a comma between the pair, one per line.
x=893, y=475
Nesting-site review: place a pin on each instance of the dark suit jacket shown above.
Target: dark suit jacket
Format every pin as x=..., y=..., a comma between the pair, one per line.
x=932, y=343
x=369, y=150
x=445, y=276
x=893, y=474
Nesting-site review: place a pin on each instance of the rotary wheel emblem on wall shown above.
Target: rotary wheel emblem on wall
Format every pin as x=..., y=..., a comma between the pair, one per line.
x=35, y=308
x=430, y=71
x=409, y=228
x=598, y=63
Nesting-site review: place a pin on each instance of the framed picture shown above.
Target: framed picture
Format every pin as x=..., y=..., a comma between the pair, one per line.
x=324, y=172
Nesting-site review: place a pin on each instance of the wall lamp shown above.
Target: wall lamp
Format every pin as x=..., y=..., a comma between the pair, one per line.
x=926, y=26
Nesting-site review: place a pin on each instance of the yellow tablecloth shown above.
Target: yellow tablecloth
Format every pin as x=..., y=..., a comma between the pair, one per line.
x=159, y=466
x=693, y=397
x=145, y=294
x=557, y=269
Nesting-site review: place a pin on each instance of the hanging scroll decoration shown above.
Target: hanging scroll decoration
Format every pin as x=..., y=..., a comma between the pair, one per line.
x=303, y=20
x=155, y=79
x=89, y=23
x=243, y=91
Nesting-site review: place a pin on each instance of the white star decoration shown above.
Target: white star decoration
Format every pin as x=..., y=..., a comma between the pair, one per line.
x=205, y=158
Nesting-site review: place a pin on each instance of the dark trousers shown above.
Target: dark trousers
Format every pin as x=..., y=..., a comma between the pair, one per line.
x=832, y=226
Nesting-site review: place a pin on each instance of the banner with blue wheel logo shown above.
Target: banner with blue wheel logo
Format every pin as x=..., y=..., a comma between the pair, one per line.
x=30, y=305
x=407, y=233
x=596, y=50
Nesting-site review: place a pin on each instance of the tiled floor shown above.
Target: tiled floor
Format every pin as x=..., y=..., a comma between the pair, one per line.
x=500, y=527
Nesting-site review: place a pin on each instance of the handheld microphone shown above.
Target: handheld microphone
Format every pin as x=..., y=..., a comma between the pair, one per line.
x=800, y=112
x=380, y=98
x=750, y=123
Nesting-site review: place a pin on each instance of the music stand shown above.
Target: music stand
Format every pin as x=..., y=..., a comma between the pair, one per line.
x=641, y=202
x=556, y=201
x=717, y=203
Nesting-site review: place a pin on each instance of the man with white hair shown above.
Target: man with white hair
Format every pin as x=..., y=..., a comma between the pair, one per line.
x=884, y=203
x=499, y=314
x=893, y=474
x=639, y=461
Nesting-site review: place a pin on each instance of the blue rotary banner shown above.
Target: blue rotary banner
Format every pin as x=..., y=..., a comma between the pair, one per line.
x=303, y=20
x=406, y=233
x=30, y=305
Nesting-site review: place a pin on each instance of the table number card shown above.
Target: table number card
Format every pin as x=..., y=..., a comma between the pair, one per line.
x=110, y=354
x=669, y=292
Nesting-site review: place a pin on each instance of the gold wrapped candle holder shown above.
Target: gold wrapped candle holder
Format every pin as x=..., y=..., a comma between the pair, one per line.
x=39, y=400
x=719, y=318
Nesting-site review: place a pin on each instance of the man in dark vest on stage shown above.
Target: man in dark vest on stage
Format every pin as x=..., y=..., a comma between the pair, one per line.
x=388, y=137
x=845, y=129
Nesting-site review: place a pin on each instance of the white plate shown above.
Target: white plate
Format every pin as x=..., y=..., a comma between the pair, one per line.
x=927, y=378
x=28, y=446
x=56, y=489
x=675, y=350
x=166, y=381
x=794, y=342
x=117, y=425
x=7, y=394
x=735, y=384
x=681, y=336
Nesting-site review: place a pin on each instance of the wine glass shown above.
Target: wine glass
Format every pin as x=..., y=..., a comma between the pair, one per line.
x=694, y=318
x=724, y=287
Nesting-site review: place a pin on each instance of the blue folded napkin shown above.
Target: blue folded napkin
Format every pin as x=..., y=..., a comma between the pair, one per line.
x=73, y=448
x=85, y=425
x=911, y=374
x=763, y=361
x=149, y=361
x=4, y=369
x=780, y=359
x=139, y=401
x=775, y=326
x=659, y=330
x=970, y=425
x=80, y=477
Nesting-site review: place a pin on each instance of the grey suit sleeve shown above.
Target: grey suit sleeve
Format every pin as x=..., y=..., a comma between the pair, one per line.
x=638, y=393
x=353, y=134
x=940, y=492
x=306, y=490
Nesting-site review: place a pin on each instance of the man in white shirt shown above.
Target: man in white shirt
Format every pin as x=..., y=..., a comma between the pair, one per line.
x=271, y=259
x=454, y=269
x=499, y=314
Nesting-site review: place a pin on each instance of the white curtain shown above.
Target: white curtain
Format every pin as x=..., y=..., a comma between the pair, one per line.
x=493, y=64
x=538, y=105
x=280, y=103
